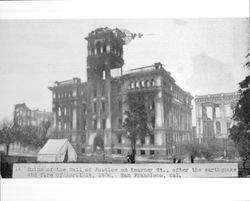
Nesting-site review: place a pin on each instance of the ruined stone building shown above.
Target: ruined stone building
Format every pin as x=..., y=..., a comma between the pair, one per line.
x=90, y=114
x=214, y=115
x=24, y=116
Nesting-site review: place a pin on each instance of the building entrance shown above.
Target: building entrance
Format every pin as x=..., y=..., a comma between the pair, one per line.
x=98, y=144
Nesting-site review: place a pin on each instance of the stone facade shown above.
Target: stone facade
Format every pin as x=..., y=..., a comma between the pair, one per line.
x=90, y=114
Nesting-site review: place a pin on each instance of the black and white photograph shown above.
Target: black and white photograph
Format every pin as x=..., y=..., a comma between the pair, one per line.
x=172, y=93
x=124, y=100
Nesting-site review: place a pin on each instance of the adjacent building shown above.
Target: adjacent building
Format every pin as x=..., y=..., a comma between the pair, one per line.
x=24, y=116
x=214, y=116
x=90, y=114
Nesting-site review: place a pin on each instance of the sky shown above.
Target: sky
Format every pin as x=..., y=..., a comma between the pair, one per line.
x=204, y=56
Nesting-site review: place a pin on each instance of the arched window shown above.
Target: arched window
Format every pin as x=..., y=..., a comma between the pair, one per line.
x=132, y=85
x=171, y=87
x=98, y=47
x=84, y=124
x=94, y=123
x=151, y=103
x=152, y=83
x=143, y=83
x=59, y=126
x=136, y=84
x=59, y=112
x=108, y=48
x=104, y=49
x=147, y=84
x=153, y=121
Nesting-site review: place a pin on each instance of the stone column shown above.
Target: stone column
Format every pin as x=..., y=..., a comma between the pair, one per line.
x=74, y=134
x=108, y=140
x=199, y=122
x=214, y=117
x=159, y=112
x=98, y=122
x=74, y=119
x=214, y=113
x=223, y=119
x=54, y=119
x=159, y=120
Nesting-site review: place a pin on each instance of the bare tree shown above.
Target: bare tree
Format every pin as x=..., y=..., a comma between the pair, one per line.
x=9, y=134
